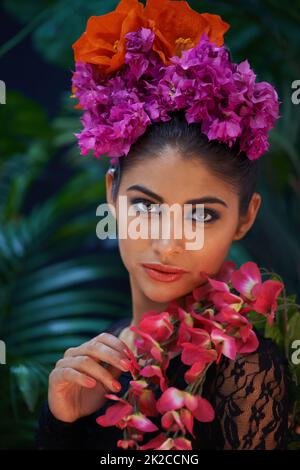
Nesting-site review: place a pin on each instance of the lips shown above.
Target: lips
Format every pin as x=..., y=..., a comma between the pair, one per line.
x=164, y=273
x=164, y=268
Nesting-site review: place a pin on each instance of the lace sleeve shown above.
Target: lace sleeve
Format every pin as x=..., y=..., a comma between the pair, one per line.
x=251, y=401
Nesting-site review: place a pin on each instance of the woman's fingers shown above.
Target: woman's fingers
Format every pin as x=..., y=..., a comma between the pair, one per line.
x=67, y=374
x=90, y=368
x=112, y=341
x=100, y=351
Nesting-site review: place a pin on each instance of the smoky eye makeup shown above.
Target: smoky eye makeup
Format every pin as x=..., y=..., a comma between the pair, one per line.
x=210, y=215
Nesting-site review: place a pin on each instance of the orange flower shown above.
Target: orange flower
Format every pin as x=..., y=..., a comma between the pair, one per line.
x=103, y=42
x=176, y=25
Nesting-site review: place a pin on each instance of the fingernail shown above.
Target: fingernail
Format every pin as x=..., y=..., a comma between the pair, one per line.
x=116, y=385
x=90, y=382
x=125, y=364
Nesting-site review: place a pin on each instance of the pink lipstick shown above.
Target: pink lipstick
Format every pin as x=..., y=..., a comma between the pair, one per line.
x=162, y=272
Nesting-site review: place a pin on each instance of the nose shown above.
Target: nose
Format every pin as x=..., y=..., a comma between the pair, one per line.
x=172, y=242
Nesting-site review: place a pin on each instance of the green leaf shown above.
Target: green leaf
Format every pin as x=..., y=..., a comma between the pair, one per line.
x=28, y=383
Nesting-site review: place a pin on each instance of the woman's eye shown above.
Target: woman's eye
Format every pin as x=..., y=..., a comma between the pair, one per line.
x=144, y=206
x=205, y=216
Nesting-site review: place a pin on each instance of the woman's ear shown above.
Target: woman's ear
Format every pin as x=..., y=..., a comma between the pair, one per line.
x=109, y=199
x=247, y=221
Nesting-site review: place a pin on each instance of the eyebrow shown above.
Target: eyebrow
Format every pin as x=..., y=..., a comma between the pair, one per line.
x=207, y=199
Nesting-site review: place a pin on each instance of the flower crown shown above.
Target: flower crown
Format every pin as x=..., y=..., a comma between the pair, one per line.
x=137, y=65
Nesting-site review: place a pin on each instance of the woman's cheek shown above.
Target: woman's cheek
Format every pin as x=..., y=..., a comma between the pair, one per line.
x=211, y=257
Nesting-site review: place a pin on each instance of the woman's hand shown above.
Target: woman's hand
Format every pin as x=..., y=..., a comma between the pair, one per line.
x=78, y=382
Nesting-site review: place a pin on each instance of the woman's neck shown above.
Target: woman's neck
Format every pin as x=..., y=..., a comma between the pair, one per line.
x=140, y=305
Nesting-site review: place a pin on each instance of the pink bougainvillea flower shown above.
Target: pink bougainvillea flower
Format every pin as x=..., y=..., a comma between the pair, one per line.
x=158, y=325
x=224, y=344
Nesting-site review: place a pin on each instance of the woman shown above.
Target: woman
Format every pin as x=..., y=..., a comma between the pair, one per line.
x=148, y=114
x=173, y=163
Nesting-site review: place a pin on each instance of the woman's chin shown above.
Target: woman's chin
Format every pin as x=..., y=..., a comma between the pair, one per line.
x=165, y=293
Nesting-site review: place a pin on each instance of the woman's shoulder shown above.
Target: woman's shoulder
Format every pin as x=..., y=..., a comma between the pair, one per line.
x=264, y=365
x=250, y=398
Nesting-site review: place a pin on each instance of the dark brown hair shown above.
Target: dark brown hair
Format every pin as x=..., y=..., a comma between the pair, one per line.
x=237, y=170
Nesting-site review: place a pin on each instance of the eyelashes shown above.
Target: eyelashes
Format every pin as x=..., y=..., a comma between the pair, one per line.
x=138, y=202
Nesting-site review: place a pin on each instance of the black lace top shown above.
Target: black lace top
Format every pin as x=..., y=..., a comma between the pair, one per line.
x=249, y=396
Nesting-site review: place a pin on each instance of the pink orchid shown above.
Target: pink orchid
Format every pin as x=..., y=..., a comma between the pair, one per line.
x=187, y=419
x=141, y=422
x=174, y=399
x=195, y=335
x=224, y=344
x=158, y=325
x=191, y=354
x=247, y=345
x=261, y=296
x=147, y=402
x=235, y=322
x=266, y=301
x=180, y=443
x=245, y=279
x=206, y=321
x=153, y=443
x=132, y=362
x=225, y=272
x=223, y=276
x=156, y=372
x=215, y=323
x=126, y=444
x=198, y=355
x=115, y=413
x=148, y=344
x=171, y=421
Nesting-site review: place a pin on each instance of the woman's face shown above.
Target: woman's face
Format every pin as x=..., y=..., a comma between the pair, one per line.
x=170, y=179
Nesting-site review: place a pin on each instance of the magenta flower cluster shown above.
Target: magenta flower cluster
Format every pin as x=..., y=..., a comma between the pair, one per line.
x=203, y=82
